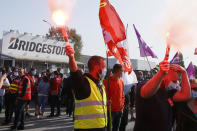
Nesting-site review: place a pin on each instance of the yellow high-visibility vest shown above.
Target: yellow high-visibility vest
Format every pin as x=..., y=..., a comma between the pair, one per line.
x=91, y=112
x=13, y=88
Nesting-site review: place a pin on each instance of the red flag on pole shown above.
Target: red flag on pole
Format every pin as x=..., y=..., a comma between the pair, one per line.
x=117, y=50
x=126, y=62
x=110, y=21
x=113, y=33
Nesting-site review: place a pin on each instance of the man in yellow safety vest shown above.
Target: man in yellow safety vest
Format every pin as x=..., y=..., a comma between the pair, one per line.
x=90, y=98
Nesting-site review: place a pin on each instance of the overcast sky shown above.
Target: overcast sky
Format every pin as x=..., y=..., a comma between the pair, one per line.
x=27, y=16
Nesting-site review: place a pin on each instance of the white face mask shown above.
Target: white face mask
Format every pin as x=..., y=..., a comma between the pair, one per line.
x=9, y=70
x=194, y=94
x=102, y=75
x=52, y=76
x=15, y=73
x=173, y=85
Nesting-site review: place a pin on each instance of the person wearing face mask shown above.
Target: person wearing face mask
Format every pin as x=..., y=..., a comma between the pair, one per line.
x=186, y=112
x=141, y=80
x=55, y=94
x=117, y=96
x=90, y=98
x=24, y=95
x=34, y=93
x=5, y=85
x=43, y=92
x=10, y=97
x=59, y=72
x=154, y=102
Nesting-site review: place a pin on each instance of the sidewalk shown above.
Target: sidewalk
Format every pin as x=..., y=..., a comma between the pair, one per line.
x=61, y=123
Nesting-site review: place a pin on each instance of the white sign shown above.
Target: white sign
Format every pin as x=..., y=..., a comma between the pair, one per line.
x=28, y=47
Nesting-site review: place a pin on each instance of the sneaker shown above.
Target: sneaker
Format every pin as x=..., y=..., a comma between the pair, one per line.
x=20, y=127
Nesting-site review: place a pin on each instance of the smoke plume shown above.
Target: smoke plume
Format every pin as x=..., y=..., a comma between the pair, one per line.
x=180, y=20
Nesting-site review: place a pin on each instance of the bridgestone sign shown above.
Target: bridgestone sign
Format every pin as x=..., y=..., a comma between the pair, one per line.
x=28, y=47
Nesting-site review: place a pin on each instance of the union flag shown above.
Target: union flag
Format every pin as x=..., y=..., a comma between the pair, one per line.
x=110, y=21
x=114, y=33
x=118, y=50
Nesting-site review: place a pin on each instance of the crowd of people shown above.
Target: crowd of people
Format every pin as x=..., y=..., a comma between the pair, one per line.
x=19, y=89
x=166, y=100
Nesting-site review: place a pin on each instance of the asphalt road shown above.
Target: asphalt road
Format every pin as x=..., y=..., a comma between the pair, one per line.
x=61, y=123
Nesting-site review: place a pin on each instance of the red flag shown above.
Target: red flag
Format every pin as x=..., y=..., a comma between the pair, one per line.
x=118, y=51
x=113, y=33
x=111, y=22
x=126, y=62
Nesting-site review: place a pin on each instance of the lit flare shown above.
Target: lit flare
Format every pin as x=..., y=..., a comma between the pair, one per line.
x=59, y=17
x=168, y=46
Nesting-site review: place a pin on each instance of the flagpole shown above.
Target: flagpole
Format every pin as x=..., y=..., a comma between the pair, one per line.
x=147, y=61
x=137, y=33
x=108, y=76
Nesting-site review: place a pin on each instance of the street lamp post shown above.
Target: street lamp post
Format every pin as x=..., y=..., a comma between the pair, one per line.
x=47, y=23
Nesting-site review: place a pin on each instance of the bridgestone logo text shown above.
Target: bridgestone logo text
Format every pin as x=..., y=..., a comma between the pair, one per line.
x=36, y=47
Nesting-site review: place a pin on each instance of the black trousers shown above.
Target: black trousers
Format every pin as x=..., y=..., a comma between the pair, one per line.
x=124, y=120
x=10, y=100
x=19, y=112
x=70, y=106
x=55, y=101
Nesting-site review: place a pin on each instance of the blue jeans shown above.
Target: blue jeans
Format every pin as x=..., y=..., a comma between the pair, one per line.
x=42, y=100
x=115, y=118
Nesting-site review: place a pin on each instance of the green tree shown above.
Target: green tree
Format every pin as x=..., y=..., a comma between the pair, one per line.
x=55, y=33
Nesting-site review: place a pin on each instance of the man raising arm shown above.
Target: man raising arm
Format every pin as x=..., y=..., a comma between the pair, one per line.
x=90, y=98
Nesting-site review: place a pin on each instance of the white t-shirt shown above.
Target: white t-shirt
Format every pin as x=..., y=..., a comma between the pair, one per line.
x=5, y=82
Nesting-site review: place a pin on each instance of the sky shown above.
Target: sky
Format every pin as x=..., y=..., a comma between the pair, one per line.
x=147, y=15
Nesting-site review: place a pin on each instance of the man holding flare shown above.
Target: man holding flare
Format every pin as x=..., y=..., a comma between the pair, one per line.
x=154, y=100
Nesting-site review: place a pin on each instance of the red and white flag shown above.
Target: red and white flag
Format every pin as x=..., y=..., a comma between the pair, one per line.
x=114, y=34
